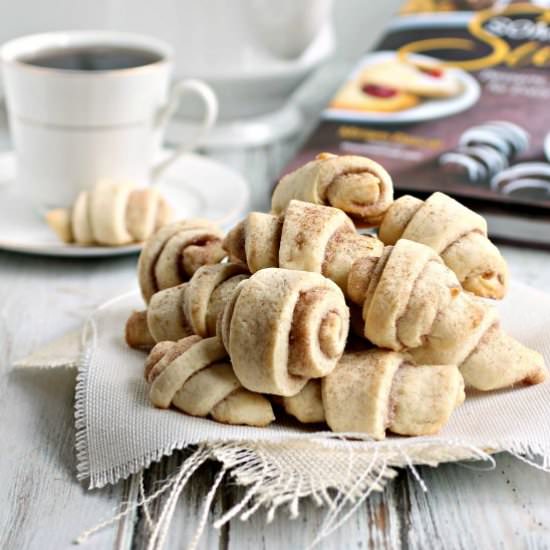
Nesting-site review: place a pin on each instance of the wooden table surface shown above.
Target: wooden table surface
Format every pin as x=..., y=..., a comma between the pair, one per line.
x=43, y=507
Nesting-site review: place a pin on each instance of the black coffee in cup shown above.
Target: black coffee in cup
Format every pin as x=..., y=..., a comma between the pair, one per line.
x=92, y=58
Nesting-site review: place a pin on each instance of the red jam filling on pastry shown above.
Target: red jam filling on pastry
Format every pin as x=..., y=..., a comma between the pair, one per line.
x=378, y=91
x=434, y=72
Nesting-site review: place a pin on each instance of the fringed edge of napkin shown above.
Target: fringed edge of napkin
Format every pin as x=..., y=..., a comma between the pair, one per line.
x=270, y=484
x=273, y=473
x=80, y=416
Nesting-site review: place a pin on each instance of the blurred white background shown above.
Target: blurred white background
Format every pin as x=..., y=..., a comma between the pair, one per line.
x=358, y=23
x=264, y=144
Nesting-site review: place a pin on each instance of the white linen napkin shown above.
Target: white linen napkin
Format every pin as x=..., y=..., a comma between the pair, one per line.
x=120, y=433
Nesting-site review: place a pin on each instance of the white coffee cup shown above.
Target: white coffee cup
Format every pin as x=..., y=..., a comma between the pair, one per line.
x=72, y=128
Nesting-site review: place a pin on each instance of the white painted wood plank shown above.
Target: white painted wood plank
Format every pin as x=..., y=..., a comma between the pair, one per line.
x=41, y=504
x=375, y=525
x=464, y=508
x=188, y=510
x=507, y=507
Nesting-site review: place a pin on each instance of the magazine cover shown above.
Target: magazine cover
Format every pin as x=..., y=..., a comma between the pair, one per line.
x=455, y=98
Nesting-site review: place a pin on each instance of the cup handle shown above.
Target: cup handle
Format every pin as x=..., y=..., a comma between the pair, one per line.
x=179, y=89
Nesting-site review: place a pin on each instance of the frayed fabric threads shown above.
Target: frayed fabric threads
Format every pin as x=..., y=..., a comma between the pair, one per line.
x=278, y=475
x=173, y=486
x=279, y=465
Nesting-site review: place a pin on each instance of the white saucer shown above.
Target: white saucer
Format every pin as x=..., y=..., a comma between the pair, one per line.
x=426, y=110
x=195, y=187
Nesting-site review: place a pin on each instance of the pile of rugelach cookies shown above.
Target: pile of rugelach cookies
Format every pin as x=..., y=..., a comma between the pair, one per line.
x=295, y=310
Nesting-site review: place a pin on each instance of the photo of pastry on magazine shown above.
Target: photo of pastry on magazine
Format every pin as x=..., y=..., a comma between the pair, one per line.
x=455, y=99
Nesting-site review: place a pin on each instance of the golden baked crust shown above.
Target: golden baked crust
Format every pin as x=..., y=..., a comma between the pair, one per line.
x=306, y=406
x=186, y=309
x=357, y=185
x=59, y=220
x=309, y=237
x=455, y=232
x=111, y=214
x=173, y=254
x=283, y=327
x=412, y=301
x=195, y=376
x=378, y=390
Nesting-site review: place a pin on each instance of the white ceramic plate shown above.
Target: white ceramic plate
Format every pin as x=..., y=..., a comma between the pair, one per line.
x=195, y=187
x=427, y=110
